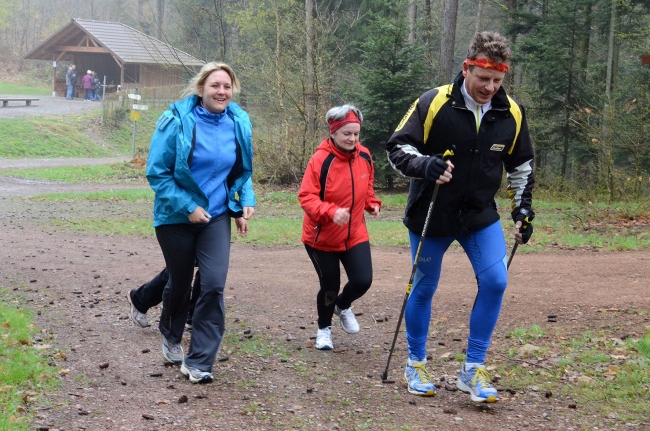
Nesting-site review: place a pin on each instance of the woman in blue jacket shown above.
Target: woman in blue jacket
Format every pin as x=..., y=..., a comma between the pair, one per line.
x=199, y=166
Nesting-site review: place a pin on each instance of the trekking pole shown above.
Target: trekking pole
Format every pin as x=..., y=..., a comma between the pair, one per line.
x=512, y=254
x=524, y=225
x=384, y=376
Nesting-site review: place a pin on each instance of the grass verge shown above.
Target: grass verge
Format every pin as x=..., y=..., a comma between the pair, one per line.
x=46, y=137
x=24, y=373
x=115, y=173
x=28, y=90
x=278, y=217
x=595, y=373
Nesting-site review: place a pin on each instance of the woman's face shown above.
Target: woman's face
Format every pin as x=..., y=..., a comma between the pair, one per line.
x=216, y=91
x=346, y=137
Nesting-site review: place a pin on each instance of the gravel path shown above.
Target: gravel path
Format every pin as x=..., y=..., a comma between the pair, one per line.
x=46, y=106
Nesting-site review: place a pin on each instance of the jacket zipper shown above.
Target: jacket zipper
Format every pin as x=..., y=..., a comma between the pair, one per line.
x=318, y=226
x=352, y=205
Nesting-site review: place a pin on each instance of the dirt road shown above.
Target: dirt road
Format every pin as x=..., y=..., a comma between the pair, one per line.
x=76, y=283
x=269, y=377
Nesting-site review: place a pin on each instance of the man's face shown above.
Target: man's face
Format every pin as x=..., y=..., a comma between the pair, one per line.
x=482, y=84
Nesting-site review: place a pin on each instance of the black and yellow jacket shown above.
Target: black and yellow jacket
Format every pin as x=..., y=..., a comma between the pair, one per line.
x=440, y=119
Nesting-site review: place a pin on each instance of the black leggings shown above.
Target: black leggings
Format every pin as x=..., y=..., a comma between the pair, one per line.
x=357, y=263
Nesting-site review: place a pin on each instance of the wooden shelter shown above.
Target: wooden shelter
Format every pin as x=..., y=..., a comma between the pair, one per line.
x=127, y=57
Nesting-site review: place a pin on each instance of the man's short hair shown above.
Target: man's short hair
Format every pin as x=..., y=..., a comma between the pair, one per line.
x=490, y=44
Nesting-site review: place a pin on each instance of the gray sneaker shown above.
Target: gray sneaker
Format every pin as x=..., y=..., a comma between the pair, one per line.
x=138, y=318
x=195, y=375
x=173, y=352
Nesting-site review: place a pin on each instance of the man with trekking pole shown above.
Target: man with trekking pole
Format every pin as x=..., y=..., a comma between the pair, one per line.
x=473, y=129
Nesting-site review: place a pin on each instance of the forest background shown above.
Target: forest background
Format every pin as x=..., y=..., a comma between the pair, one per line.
x=577, y=68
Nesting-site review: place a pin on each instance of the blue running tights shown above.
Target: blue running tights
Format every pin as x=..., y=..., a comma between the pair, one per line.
x=486, y=250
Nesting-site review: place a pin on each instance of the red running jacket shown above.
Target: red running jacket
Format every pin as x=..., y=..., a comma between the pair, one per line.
x=335, y=179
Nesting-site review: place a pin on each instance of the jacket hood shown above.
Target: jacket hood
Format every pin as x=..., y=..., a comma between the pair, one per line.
x=186, y=105
x=328, y=145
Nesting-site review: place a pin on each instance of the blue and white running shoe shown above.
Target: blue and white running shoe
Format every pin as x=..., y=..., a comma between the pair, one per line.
x=419, y=380
x=477, y=383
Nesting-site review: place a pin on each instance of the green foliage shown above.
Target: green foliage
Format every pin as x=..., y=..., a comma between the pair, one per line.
x=46, y=137
x=24, y=371
x=275, y=89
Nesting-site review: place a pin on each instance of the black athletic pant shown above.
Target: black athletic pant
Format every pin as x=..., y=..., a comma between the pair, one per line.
x=150, y=294
x=208, y=245
x=357, y=263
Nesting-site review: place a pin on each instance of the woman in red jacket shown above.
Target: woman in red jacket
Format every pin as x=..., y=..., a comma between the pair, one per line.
x=336, y=189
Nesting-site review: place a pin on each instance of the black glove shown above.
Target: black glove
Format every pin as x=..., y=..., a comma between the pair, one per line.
x=525, y=216
x=434, y=168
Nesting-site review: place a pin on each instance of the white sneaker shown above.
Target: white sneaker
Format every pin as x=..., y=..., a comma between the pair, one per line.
x=347, y=320
x=324, y=339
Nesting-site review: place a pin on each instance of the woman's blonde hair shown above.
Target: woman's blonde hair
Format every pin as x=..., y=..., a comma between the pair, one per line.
x=198, y=81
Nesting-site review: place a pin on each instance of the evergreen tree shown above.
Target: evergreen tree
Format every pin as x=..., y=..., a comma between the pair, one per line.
x=553, y=56
x=390, y=76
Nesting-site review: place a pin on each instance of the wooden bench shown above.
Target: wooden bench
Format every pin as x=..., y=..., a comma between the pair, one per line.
x=28, y=102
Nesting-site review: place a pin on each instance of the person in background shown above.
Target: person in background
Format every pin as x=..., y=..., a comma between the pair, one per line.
x=71, y=82
x=68, y=83
x=336, y=189
x=87, y=82
x=200, y=159
x=490, y=132
x=94, y=91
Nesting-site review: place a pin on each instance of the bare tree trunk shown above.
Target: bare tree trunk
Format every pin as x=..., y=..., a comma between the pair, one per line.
x=584, y=42
x=568, y=105
x=617, y=48
x=284, y=125
x=610, y=52
x=160, y=15
x=310, y=107
x=221, y=29
x=413, y=16
x=428, y=27
x=479, y=16
x=142, y=20
x=448, y=41
x=608, y=96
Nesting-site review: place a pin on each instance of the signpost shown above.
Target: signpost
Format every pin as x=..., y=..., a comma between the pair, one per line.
x=135, y=116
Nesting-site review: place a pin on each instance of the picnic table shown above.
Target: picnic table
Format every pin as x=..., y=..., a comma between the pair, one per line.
x=6, y=100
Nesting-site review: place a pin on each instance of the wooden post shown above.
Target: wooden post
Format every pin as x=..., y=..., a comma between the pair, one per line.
x=53, y=76
x=121, y=76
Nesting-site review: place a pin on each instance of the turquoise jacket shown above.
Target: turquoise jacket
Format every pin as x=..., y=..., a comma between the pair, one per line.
x=177, y=194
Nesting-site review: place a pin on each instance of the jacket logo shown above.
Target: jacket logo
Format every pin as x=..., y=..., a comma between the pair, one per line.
x=497, y=147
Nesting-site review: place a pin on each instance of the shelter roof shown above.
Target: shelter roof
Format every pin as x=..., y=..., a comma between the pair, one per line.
x=125, y=43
